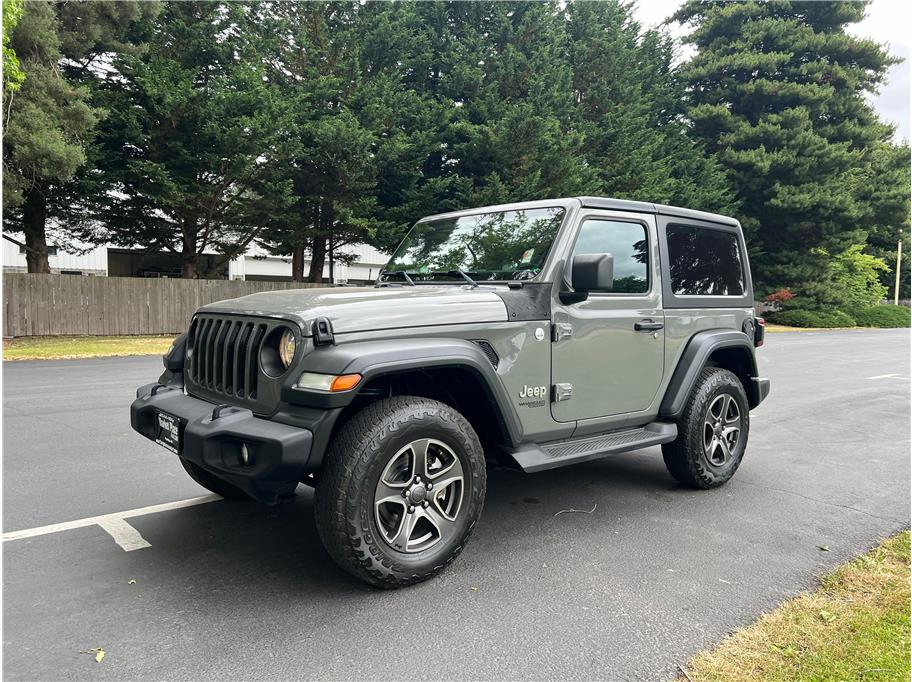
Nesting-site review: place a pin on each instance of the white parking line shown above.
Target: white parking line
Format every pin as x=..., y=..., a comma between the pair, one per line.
x=125, y=535
x=886, y=376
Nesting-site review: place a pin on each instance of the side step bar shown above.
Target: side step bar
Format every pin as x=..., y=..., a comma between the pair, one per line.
x=534, y=457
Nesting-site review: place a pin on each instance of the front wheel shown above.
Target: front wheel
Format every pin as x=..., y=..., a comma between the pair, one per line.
x=712, y=431
x=401, y=488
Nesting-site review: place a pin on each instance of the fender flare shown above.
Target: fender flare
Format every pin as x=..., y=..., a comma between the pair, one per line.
x=372, y=359
x=694, y=359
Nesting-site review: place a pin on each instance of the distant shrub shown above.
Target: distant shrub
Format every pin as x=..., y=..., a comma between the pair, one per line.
x=852, y=279
x=882, y=316
x=781, y=296
x=812, y=318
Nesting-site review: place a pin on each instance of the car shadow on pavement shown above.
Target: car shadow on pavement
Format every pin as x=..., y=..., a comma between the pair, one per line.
x=264, y=554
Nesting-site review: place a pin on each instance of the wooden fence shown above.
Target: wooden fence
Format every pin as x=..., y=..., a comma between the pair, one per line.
x=58, y=305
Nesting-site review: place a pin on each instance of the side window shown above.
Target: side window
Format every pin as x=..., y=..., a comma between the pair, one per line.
x=704, y=262
x=628, y=243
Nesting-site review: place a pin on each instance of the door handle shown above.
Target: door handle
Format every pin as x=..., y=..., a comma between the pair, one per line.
x=648, y=326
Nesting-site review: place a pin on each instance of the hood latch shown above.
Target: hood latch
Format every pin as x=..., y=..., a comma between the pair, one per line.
x=323, y=332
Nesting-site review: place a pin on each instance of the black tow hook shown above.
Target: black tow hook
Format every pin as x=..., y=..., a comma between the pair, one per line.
x=217, y=412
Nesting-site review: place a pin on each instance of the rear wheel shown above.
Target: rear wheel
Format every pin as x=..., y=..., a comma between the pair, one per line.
x=401, y=488
x=712, y=431
x=213, y=483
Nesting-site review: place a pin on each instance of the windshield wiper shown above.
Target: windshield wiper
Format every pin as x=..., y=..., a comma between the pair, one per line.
x=403, y=274
x=459, y=272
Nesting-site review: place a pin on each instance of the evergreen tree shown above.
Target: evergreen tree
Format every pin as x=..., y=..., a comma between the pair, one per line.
x=777, y=94
x=50, y=119
x=189, y=153
x=889, y=200
x=630, y=112
x=328, y=160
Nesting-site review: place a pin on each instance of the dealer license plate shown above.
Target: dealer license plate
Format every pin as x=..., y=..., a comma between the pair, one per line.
x=169, y=431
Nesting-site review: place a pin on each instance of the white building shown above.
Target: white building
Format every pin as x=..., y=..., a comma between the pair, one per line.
x=257, y=264
x=254, y=264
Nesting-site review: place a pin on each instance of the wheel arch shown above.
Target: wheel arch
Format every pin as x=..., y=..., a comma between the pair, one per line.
x=453, y=371
x=728, y=349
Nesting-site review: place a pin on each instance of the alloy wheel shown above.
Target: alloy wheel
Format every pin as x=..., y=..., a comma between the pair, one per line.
x=721, y=429
x=419, y=496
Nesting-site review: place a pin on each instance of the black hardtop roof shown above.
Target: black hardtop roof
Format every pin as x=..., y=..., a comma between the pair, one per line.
x=647, y=207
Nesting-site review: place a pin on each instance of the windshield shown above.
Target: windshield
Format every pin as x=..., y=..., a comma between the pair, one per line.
x=502, y=245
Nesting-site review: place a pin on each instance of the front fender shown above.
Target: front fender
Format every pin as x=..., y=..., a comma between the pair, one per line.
x=372, y=359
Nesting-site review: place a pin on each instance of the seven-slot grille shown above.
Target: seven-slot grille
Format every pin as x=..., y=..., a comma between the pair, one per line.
x=224, y=355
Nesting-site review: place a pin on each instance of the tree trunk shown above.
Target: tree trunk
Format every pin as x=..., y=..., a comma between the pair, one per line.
x=189, y=256
x=297, y=263
x=317, y=259
x=332, y=273
x=34, y=218
x=188, y=267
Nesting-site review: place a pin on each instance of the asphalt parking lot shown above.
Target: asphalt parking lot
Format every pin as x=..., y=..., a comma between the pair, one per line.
x=236, y=590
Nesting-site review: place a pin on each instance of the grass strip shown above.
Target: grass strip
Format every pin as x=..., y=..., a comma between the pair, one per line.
x=854, y=627
x=73, y=347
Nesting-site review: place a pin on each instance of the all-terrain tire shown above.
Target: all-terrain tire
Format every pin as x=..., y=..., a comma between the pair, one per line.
x=359, y=455
x=686, y=457
x=213, y=483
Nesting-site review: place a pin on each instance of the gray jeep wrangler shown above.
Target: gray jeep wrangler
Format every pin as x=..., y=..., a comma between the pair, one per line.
x=536, y=334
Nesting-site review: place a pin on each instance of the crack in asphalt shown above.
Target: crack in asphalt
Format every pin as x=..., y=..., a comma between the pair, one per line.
x=826, y=502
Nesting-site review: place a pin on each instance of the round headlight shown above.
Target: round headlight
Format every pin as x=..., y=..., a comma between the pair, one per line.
x=287, y=346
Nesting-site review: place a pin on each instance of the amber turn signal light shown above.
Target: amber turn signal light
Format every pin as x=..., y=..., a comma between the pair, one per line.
x=344, y=382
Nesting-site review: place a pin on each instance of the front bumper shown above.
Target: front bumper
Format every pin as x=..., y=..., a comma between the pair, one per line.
x=279, y=454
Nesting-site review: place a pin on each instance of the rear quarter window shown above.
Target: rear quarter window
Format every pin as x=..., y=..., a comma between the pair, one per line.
x=704, y=262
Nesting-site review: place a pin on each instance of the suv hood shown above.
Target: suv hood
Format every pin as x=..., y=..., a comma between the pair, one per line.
x=358, y=309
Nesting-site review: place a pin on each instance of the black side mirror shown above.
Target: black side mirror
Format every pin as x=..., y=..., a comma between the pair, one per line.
x=590, y=272
x=593, y=272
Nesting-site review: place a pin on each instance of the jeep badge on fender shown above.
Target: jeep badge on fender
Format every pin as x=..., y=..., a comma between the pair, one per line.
x=533, y=392
x=393, y=400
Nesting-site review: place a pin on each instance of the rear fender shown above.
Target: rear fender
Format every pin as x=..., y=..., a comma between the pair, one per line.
x=733, y=348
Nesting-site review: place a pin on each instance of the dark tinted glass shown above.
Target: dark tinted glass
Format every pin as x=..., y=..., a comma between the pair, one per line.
x=504, y=245
x=627, y=243
x=704, y=262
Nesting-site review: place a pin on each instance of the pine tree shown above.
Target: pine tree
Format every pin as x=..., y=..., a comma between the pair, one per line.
x=189, y=155
x=50, y=119
x=630, y=112
x=776, y=92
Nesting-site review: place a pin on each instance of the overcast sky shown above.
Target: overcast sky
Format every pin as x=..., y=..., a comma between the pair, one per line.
x=887, y=22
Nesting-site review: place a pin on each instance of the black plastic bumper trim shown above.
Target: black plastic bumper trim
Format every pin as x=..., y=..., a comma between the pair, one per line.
x=761, y=388
x=279, y=454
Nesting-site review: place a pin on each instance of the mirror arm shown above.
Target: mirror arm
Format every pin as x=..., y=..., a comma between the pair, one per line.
x=570, y=297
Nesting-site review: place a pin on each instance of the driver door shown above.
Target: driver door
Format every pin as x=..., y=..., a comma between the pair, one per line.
x=610, y=348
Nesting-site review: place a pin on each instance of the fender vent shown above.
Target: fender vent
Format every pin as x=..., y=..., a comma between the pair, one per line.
x=489, y=352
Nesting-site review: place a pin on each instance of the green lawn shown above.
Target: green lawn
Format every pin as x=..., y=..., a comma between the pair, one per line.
x=71, y=347
x=854, y=627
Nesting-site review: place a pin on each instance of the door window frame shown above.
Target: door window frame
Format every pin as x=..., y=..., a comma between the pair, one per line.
x=673, y=300
x=650, y=262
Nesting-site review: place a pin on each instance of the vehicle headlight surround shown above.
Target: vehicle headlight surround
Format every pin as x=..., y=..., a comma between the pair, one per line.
x=278, y=350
